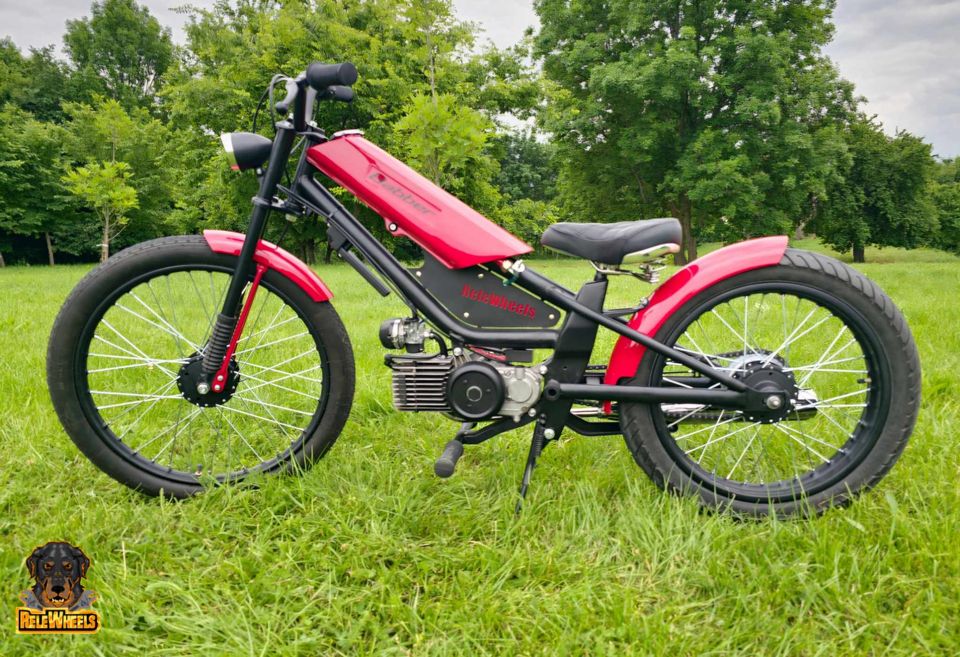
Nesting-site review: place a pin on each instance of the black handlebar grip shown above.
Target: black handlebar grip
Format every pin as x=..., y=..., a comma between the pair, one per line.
x=320, y=76
x=337, y=92
x=447, y=462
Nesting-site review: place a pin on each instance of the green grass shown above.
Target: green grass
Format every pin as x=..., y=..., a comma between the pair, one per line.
x=369, y=553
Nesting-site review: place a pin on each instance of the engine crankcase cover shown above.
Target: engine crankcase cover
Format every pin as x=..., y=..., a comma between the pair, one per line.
x=476, y=391
x=478, y=297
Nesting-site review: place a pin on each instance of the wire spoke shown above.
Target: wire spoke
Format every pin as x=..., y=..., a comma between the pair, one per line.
x=265, y=330
x=723, y=437
x=259, y=417
x=270, y=344
x=136, y=350
x=698, y=431
x=263, y=382
x=789, y=434
x=239, y=434
x=749, y=444
x=833, y=399
x=171, y=329
x=194, y=413
x=276, y=406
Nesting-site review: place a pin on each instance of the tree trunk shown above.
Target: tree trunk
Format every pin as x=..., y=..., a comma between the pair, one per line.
x=46, y=236
x=688, y=244
x=309, y=252
x=3, y=263
x=105, y=244
x=328, y=256
x=858, y=253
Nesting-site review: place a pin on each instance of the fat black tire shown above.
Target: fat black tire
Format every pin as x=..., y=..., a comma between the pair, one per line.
x=899, y=359
x=88, y=299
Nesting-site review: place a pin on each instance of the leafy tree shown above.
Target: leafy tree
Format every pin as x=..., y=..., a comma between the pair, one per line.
x=106, y=188
x=447, y=143
x=123, y=48
x=527, y=219
x=32, y=202
x=720, y=112
x=11, y=70
x=526, y=169
x=946, y=198
x=105, y=132
x=882, y=197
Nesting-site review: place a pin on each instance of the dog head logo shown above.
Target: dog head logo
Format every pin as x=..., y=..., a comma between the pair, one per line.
x=57, y=601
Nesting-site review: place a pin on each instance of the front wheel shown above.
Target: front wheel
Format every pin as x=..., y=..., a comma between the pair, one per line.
x=811, y=326
x=125, y=355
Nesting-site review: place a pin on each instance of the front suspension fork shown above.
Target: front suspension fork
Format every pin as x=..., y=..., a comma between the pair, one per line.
x=216, y=377
x=226, y=331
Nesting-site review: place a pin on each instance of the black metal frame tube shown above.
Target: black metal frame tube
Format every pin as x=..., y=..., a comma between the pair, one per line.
x=653, y=395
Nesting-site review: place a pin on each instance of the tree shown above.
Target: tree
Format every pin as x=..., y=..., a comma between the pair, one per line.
x=447, y=143
x=32, y=203
x=11, y=70
x=883, y=195
x=720, y=112
x=106, y=133
x=946, y=198
x=105, y=188
x=123, y=47
x=526, y=169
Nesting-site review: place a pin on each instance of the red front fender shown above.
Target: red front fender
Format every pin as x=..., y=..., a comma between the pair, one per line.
x=273, y=257
x=683, y=286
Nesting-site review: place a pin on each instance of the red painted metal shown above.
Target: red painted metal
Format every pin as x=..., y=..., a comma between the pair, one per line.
x=272, y=257
x=683, y=286
x=220, y=378
x=448, y=229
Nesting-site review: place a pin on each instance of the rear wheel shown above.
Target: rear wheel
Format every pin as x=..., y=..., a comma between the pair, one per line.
x=124, y=359
x=811, y=326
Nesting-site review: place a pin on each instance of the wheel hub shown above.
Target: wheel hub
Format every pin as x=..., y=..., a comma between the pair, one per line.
x=771, y=381
x=191, y=381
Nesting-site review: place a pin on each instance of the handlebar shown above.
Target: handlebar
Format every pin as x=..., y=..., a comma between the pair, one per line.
x=331, y=81
x=336, y=92
x=320, y=76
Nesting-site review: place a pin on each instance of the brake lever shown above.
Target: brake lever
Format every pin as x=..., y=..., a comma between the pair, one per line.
x=292, y=89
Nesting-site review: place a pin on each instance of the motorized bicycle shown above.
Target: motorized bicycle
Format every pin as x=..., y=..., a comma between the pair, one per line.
x=760, y=378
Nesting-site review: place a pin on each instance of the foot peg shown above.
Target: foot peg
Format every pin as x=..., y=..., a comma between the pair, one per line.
x=447, y=462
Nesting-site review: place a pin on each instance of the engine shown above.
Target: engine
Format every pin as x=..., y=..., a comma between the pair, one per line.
x=463, y=384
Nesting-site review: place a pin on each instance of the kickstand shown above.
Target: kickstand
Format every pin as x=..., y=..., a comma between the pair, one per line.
x=536, y=447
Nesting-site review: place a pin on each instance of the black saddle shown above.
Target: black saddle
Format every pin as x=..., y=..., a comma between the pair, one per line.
x=614, y=244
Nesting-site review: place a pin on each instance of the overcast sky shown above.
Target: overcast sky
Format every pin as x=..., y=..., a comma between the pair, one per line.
x=903, y=55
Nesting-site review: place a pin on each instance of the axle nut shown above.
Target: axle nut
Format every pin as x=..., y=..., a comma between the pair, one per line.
x=773, y=402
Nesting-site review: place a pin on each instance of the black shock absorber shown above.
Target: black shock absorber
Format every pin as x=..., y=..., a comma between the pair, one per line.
x=216, y=348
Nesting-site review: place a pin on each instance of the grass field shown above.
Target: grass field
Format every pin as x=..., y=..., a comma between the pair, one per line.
x=370, y=553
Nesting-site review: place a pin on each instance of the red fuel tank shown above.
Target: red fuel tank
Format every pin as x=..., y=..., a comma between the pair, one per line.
x=444, y=226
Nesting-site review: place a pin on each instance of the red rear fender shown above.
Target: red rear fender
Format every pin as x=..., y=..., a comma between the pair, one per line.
x=273, y=257
x=683, y=286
